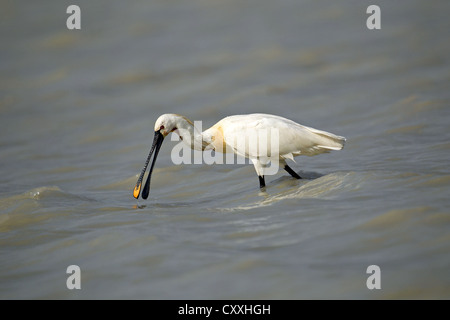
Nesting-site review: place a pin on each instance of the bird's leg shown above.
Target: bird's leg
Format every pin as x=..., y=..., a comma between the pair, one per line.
x=291, y=172
x=262, y=183
x=259, y=171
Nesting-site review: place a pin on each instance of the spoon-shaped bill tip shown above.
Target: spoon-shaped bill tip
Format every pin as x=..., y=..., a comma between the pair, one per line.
x=137, y=190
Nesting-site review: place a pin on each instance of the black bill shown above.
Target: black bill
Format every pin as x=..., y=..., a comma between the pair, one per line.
x=157, y=142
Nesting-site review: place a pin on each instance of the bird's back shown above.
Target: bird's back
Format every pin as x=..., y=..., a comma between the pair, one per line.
x=294, y=139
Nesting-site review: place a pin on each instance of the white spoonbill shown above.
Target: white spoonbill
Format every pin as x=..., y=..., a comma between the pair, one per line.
x=227, y=135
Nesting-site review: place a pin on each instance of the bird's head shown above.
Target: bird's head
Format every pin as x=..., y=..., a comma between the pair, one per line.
x=164, y=125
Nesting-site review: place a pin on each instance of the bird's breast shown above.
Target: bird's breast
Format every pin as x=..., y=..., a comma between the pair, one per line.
x=215, y=139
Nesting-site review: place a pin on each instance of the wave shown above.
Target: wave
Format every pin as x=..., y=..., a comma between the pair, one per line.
x=33, y=206
x=326, y=187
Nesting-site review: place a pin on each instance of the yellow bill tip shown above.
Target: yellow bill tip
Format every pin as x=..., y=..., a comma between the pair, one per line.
x=137, y=190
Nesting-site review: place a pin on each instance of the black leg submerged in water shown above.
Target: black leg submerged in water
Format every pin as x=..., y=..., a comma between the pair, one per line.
x=262, y=183
x=292, y=172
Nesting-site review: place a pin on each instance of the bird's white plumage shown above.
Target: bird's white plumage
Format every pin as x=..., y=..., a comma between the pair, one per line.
x=294, y=139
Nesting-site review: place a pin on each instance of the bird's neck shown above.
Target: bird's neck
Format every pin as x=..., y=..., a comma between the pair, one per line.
x=189, y=134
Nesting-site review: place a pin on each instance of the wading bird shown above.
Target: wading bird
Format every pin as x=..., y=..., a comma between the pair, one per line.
x=278, y=139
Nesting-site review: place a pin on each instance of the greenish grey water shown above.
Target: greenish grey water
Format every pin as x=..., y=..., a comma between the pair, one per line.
x=77, y=110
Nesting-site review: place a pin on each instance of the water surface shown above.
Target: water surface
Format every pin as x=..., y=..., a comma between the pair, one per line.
x=77, y=110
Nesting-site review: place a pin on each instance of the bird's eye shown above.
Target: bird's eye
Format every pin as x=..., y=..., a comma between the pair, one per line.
x=162, y=127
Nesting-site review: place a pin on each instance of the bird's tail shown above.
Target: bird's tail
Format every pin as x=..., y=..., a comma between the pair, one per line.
x=327, y=140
